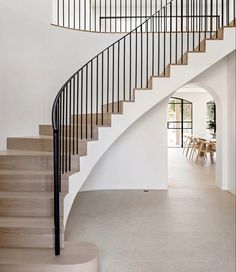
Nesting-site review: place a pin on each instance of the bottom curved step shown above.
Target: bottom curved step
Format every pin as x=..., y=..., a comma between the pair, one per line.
x=75, y=257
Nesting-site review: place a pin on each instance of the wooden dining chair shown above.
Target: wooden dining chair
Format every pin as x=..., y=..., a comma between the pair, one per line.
x=206, y=147
x=188, y=144
x=195, y=146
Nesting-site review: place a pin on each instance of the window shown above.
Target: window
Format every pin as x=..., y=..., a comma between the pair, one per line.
x=179, y=121
x=211, y=117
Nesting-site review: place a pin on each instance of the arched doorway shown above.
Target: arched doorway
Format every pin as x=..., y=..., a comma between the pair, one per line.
x=191, y=111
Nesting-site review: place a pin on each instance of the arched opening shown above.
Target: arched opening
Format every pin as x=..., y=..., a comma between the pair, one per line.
x=193, y=130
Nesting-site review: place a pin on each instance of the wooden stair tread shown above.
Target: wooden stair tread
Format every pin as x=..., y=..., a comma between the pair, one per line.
x=74, y=253
x=24, y=153
x=33, y=173
x=26, y=195
x=22, y=222
x=42, y=137
x=25, y=172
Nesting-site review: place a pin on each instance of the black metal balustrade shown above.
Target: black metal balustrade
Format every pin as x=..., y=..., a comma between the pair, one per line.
x=123, y=15
x=92, y=93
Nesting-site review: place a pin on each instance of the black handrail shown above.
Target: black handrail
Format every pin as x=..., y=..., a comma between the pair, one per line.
x=95, y=91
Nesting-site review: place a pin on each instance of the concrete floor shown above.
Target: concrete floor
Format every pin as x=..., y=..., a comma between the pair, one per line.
x=189, y=228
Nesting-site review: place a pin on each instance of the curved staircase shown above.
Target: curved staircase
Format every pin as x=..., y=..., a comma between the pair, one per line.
x=44, y=173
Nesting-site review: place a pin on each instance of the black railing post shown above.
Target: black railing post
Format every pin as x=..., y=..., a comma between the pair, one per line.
x=56, y=191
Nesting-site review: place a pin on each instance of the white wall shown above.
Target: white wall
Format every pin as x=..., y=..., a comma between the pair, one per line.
x=35, y=60
x=113, y=171
x=219, y=80
x=199, y=100
x=138, y=159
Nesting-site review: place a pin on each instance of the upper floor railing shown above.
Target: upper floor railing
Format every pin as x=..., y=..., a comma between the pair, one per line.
x=95, y=90
x=124, y=15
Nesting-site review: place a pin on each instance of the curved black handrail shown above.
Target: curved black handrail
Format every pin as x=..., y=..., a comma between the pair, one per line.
x=95, y=91
x=99, y=54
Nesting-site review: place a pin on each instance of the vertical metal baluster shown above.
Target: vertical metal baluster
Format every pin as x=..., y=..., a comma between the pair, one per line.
x=113, y=76
x=125, y=16
x=95, y=16
x=211, y=14
x=73, y=103
x=58, y=12
x=97, y=88
x=86, y=103
x=118, y=76
x=59, y=142
x=200, y=26
x=63, y=12
x=164, y=41
x=187, y=23
x=141, y=68
x=77, y=116
x=100, y=14
x=156, y=15
x=70, y=82
x=170, y=35
x=182, y=36
x=145, y=7
x=121, y=16
x=194, y=25
x=74, y=14
x=91, y=101
x=63, y=131
x=222, y=12
x=108, y=79
x=81, y=104
x=110, y=17
x=136, y=58
x=176, y=33
x=85, y=15
x=153, y=46
x=216, y=20
x=131, y=13
x=102, y=85
x=115, y=15
x=227, y=12
x=141, y=11
x=79, y=12
x=68, y=13
x=147, y=47
x=105, y=15
x=234, y=7
x=206, y=18
x=65, y=143
x=90, y=15
x=159, y=36
x=136, y=14
x=130, y=66
x=124, y=71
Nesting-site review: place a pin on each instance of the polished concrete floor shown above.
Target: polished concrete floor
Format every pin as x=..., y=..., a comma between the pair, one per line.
x=189, y=228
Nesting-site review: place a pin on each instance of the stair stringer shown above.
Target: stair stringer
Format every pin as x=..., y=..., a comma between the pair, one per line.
x=145, y=100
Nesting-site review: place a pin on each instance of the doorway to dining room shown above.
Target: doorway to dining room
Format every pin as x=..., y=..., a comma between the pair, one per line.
x=191, y=132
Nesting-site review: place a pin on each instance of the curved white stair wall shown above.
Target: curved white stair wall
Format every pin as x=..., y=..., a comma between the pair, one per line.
x=144, y=101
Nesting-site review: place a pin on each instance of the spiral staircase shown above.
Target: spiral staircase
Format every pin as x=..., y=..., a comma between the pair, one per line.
x=40, y=176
